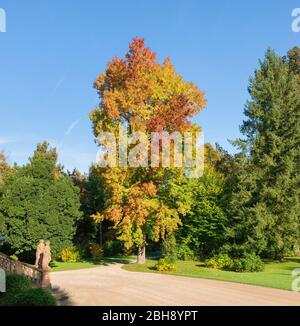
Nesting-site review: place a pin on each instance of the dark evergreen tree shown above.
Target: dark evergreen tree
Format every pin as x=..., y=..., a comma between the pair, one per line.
x=38, y=202
x=265, y=202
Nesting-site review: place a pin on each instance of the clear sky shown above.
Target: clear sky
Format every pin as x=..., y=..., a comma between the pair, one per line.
x=53, y=50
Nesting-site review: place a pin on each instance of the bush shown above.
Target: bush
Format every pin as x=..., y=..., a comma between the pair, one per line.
x=169, y=248
x=220, y=261
x=34, y=298
x=184, y=252
x=70, y=255
x=96, y=251
x=19, y=293
x=14, y=284
x=164, y=265
x=112, y=248
x=248, y=263
x=14, y=257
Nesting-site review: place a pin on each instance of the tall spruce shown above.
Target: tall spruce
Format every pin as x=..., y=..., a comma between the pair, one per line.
x=265, y=203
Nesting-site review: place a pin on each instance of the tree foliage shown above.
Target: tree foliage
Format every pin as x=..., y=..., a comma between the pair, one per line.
x=38, y=202
x=204, y=226
x=4, y=167
x=265, y=202
x=146, y=96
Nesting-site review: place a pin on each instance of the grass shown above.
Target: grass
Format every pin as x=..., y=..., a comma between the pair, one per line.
x=58, y=266
x=275, y=275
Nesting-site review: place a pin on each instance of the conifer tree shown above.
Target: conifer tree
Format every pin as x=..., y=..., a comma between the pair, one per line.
x=265, y=204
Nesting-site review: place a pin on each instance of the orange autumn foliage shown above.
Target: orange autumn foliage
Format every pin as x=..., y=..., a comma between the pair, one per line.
x=147, y=96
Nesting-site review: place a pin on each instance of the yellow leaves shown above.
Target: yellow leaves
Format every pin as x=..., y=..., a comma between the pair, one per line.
x=166, y=220
x=138, y=237
x=138, y=86
x=98, y=217
x=147, y=96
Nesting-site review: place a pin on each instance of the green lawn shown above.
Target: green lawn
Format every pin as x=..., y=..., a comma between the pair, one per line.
x=57, y=266
x=276, y=274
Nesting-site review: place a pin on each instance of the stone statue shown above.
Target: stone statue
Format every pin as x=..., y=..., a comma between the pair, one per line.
x=39, y=256
x=42, y=261
x=46, y=257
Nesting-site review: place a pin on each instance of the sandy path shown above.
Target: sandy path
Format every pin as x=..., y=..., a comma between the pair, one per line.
x=111, y=285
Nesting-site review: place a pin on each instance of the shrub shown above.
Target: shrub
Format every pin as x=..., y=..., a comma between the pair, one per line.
x=220, y=261
x=238, y=265
x=70, y=255
x=184, y=252
x=96, y=251
x=14, y=257
x=112, y=248
x=14, y=284
x=163, y=265
x=169, y=248
x=34, y=298
x=248, y=263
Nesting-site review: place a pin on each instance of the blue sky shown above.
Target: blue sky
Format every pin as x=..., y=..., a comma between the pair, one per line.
x=53, y=51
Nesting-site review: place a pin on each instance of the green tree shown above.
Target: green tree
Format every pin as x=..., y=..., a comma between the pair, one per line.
x=38, y=202
x=265, y=202
x=92, y=194
x=204, y=226
x=293, y=60
x=212, y=156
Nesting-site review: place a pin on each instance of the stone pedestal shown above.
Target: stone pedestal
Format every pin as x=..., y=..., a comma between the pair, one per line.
x=46, y=281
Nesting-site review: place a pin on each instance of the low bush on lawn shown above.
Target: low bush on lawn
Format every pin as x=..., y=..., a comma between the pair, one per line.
x=184, y=252
x=70, y=255
x=163, y=265
x=96, y=252
x=246, y=263
x=220, y=261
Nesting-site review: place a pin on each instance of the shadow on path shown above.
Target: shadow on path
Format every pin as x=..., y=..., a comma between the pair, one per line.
x=62, y=297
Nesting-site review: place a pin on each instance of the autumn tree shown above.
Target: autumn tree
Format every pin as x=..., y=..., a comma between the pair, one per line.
x=144, y=95
x=4, y=166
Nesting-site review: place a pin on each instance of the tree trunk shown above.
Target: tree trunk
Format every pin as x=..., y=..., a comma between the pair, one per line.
x=141, y=256
x=100, y=235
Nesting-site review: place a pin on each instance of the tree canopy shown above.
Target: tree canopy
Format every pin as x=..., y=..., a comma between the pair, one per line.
x=146, y=96
x=38, y=202
x=265, y=203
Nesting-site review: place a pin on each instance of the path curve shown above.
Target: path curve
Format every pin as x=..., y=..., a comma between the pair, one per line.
x=113, y=286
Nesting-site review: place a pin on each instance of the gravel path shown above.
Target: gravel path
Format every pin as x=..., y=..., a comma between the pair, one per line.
x=112, y=286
